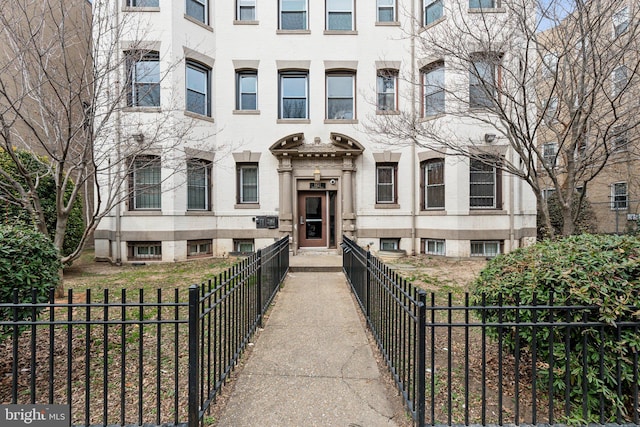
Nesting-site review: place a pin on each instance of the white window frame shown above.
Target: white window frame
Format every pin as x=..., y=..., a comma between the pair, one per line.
x=485, y=96
x=149, y=65
x=304, y=11
x=334, y=9
x=206, y=73
x=242, y=199
x=246, y=4
x=620, y=21
x=152, y=165
x=493, y=5
x=428, y=185
x=485, y=244
x=435, y=247
x=619, y=79
x=621, y=138
x=293, y=75
x=549, y=64
x=384, y=89
x=146, y=250
x=432, y=89
x=547, y=192
x=386, y=5
x=204, y=167
x=393, y=167
x=550, y=153
x=429, y=4
x=551, y=110
x=619, y=196
x=240, y=76
x=338, y=97
x=240, y=244
x=205, y=7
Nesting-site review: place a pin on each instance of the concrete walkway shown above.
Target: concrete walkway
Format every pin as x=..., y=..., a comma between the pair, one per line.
x=312, y=365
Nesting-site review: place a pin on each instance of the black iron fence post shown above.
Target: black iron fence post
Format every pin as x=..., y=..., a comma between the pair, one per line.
x=259, y=289
x=368, y=284
x=194, y=353
x=421, y=357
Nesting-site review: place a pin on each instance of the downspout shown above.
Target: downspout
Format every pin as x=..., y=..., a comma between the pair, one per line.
x=512, y=177
x=118, y=143
x=413, y=143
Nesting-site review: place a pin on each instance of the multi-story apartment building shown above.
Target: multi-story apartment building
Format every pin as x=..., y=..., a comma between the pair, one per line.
x=279, y=94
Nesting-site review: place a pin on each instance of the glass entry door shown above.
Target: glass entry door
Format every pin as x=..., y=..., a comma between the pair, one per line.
x=312, y=219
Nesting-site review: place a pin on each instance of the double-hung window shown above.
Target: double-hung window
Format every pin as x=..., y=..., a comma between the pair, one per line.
x=620, y=21
x=340, y=96
x=433, y=11
x=550, y=153
x=340, y=15
x=198, y=88
x=549, y=65
x=619, y=79
x=482, y=81
x=144, y=78
x=247, y=90
x=143, y=3
x=620, y=138
x=293, y=14
x=619, y=196
x=483, y=184
x=198, y=9
x=247, y=183
x=434, y=184
x=146, y=183
x=386, y=10
x=246, y=10
x=433, y=86
x=387, y=90
x=386, y=176
x=294, y=94
x=198, y=185
x=489, y=248
x=482, y=4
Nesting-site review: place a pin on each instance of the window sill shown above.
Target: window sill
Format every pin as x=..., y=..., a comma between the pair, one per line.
x=387, y=23
x=239, y=22
x=433, y=212
x=198, y=116
x=199, y=213
x=140, y=9
x=293, y=31
x=340, y=121
x=296, y=121
x=149, y=212
x=433, y=117
x=247, y=112
x=387, y=206
x=199, y=23
x=486, y=211
x=142, y=109
x=340, y=33
x=433, y=24
x=387, y=112
x=487, y=10
x=247, y=206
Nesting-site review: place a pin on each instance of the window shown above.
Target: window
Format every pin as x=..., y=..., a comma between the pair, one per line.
x=244, y=246
x=247, y=90
x=620, y=21
x=143, y=3
x=550, y=110
x=247, y=183
x=485, y=248
x=340, y=89
x=619, y=196
x=432, y=11
x=386, y=175
x=246, y=10
x=433, y=179
x=144, y=250
x=619, y=79
x=548, y=192
x=549, y=154
x=294, y=87
x=144, y=78
x=196, y=248
x=387, y=90
x=433, y=82
x=386, y=10
x=198, y=185
x=483, y=184
x=389, y=244
x=197, y=9
x=145, y=183
x=482, y=4
x=549, y=65
x=340, y=15
x=433, y=246
x=293, y=14
x=198, y=89
x=620, y=138
x=482, y=81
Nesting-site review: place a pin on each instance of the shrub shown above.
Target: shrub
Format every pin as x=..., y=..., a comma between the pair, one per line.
x=29, y=262
x=586, y=270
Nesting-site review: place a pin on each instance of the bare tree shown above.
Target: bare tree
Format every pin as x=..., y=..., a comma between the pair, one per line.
x=64, y=80
x=554, y=80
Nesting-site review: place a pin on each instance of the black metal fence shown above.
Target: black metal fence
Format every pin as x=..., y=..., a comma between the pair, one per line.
x=462, y=361
x=129, y=358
